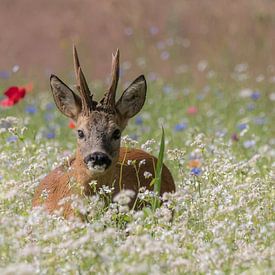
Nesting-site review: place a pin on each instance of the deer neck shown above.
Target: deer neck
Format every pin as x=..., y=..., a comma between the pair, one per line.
x=84, y=176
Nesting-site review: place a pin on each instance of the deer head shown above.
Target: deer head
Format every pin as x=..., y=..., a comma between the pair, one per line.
x=98, y=124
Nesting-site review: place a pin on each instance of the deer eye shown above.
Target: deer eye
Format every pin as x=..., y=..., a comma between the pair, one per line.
x=116, y=134
x=80, y=133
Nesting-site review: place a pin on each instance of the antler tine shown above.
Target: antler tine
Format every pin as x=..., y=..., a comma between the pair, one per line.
x=76, y=63
x=84, y=92
x=111, y=94
x=82, y=85
x=115, y=71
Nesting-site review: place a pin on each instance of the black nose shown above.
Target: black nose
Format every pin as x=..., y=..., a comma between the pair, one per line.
x=98, y=158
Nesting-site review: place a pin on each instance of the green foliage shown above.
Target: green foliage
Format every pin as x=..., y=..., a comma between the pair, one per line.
x=157, y=180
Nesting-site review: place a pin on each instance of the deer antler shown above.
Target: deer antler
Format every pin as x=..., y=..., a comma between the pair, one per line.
x=110, y=96
x=82, y=86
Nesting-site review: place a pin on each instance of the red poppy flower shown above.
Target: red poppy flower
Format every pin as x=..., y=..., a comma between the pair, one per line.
x=71, y=124
x=14, y=95
x=6, y=102
x=192, y=110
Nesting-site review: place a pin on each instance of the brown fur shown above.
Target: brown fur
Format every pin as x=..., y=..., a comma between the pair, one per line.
x=57, y=183
x=99, y=155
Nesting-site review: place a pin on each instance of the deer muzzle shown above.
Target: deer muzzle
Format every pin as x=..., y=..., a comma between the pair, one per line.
x=98, y=162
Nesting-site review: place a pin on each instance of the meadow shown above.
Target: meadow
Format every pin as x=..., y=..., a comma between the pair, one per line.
x=220, y=147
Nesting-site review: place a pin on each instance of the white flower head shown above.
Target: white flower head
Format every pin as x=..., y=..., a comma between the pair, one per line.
x=124, y=197
x=147, y=175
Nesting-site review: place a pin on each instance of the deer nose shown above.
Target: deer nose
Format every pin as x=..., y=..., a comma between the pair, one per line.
x=98, y=158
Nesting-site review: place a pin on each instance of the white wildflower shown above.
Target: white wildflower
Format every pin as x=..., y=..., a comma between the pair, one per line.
x=131, y=162
x=124, y=197
x=147, y=175
x=128, y=142
x=142, y=162
x=106, y=189
x=18, y=268
x=147, y=146
x=8, y=122
x=240, y=68
x=245, y=93
x=176, y=154
x=44, y=194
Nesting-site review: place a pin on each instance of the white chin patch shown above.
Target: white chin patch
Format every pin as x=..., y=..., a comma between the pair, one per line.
x=96, y=168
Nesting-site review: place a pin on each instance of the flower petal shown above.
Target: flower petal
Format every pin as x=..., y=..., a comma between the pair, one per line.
x=6, y=102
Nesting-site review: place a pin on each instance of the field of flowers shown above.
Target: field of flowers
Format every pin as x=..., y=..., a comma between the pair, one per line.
x=220, y=147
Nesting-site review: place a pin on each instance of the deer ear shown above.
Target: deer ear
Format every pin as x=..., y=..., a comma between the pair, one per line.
x=133, y=98
x=65, y=99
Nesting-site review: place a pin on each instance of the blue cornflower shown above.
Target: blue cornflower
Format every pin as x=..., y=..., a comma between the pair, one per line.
x=1, y=177
x=221, y=133
x=48, y=116
x=200, y=96
x=152, y=76
x=50, y=135
x=196, y=171
x=255, y=95
x=250, y=106
x=180, y=127
x=49, y=106
x=242, y=126
x=12, y=139
x=167, y=89
x=139, y=120
x=4, y=74
x=249, y=144
x=31, y=109
x=133, y=136
x=259, y=120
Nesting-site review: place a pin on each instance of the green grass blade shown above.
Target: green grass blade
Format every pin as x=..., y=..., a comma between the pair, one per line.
x=157, y=181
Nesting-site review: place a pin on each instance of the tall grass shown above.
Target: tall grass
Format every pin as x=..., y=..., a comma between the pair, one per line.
x=156, y=182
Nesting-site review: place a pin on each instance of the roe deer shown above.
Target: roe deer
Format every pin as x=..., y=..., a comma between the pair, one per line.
x=99, y=156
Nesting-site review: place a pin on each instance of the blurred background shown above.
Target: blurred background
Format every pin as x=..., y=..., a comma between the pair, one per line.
x=168, y=40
